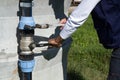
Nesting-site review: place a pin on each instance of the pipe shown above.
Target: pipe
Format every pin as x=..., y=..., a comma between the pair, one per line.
x=25, y=7
x=27, y=76
x=26, y=57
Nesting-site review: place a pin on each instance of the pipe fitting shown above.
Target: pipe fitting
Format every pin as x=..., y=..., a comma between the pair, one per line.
x=23, y=4
x=26, y=21
x=27, y=66
x=24, y=45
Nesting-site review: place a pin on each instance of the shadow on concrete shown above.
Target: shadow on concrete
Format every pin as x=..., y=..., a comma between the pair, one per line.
x=53, y=51
x=49, y=53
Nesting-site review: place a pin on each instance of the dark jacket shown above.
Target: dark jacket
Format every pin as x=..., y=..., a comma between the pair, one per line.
x=106, y=18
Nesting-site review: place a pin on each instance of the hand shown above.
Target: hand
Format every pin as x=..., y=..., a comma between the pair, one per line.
x=57, y=42
x=62, y=21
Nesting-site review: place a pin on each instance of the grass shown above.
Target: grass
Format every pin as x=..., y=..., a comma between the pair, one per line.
x=87, y=59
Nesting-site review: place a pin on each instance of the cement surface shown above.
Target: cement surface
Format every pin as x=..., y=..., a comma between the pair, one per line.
x=50, y=63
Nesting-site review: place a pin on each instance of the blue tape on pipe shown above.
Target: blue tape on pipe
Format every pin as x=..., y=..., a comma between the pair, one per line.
x=26, y=21
x=26, y=66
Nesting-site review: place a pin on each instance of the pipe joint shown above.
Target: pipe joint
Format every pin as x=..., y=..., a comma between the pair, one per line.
x=26, y=21
x=24, y=4
x=24, y=45
x=26, y=66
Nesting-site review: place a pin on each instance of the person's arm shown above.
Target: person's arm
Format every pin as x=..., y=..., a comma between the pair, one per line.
x=78, y=17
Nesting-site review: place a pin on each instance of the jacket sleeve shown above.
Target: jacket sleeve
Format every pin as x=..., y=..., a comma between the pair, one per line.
x=78, y=17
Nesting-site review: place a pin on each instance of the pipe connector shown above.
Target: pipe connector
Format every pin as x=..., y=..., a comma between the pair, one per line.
x=24, y=4
x=24, y=45
x=26, y=21
x=27, y=66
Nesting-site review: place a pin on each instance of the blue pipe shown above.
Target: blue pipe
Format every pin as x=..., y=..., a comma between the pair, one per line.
x=26, y=62
x=27, y=66
x=26, y=21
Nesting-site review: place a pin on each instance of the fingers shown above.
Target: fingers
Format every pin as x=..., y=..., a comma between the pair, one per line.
x=57, y=42
x=62, y=21
x=54, y=43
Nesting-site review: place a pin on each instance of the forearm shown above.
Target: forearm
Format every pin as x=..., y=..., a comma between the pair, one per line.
x=78, y=17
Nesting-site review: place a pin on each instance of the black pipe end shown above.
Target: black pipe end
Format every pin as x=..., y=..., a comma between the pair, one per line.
x=26, y=57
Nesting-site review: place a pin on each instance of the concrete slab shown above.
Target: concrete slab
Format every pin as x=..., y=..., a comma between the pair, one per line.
x=50, y=63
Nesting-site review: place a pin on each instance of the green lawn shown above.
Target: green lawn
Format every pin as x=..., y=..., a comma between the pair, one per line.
x=87, y=58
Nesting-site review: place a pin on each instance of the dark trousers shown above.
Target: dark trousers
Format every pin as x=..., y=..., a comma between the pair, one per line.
x=114, y=71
